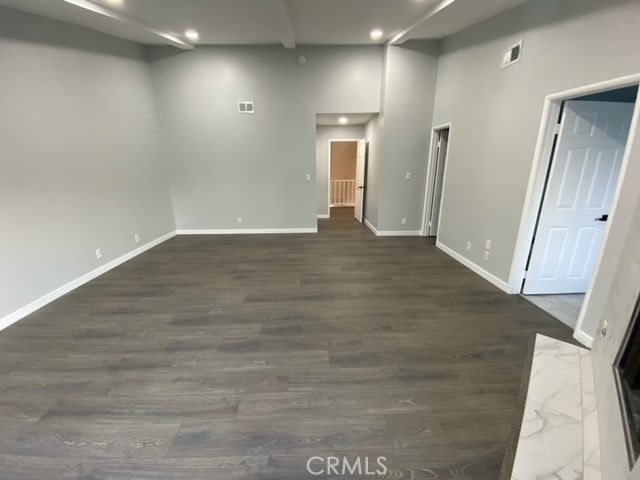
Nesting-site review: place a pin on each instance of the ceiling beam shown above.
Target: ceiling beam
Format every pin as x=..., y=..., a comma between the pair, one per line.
x=402, y=35
x=287, y=33
x=166, y=37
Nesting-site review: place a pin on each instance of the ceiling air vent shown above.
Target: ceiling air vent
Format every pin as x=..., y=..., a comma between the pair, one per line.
x=245, y=107
x=511, y=55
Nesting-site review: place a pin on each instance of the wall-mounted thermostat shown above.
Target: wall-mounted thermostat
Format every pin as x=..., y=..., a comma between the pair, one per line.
x=246, y=107
x=511, y=55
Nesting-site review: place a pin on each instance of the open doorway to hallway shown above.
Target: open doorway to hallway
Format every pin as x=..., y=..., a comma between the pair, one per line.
x=347, y=170
x=341, y=165
x=342, y=176
x=584, y=169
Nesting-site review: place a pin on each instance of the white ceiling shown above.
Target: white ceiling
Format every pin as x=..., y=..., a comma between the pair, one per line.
x=288, y=22
x=328, y=119
x=460, y=15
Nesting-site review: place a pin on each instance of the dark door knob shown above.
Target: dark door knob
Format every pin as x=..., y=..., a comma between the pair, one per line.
x=361, y=187
x=603, y=218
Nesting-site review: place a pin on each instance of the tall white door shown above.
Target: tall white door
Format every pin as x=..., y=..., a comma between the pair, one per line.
x=579, y=196
x=360, y=172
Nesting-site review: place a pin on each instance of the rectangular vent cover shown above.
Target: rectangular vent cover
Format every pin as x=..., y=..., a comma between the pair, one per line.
x=511, y=55
x=245, y=107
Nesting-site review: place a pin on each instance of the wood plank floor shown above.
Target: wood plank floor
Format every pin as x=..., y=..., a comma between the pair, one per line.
x=239, y=357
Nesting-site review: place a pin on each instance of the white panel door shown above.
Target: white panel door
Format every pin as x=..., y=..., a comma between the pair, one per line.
x=360, y=172
x=579, y=196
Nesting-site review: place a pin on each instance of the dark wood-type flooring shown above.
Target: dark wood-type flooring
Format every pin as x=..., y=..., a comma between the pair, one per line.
x=239, y=357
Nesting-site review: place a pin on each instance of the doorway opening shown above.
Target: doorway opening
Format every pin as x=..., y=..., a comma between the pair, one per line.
x=436, y=172
x=342, y=154
x=342, y=176
x=579, y=179
x=347, y=170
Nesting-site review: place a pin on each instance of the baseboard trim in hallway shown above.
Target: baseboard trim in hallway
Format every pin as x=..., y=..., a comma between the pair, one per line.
x=370, y=226
x=73, y=284
x=501, y=284
x=246, y=231
x=392, y=233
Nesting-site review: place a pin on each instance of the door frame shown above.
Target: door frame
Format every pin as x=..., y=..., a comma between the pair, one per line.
x=332, y=140
x=595, y=298
x=428, y=189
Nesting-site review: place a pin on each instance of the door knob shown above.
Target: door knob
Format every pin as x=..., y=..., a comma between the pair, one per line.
x=603, y=218
x=361, y=187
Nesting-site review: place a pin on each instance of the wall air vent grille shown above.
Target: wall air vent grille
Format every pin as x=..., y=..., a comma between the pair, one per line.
x=246, y=107
x=511, y=55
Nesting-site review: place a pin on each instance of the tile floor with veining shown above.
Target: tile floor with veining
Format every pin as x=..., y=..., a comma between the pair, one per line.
x=559, y=435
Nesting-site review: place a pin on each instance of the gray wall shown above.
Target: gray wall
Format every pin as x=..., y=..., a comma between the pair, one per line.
x=225, y=165
x=407, y=110
x=81, y=168
x=372, y=192
x=496, y=113
x=323, y=135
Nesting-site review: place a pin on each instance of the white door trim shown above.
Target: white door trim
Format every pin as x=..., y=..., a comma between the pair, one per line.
x=331, y=140
x=533, y=199
x=361, y=173
x=428, y=189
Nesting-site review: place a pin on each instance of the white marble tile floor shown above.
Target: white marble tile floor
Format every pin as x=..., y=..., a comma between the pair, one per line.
x=559, y=434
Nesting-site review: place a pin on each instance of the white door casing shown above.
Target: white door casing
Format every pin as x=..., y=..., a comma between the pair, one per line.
x=580, y=190
x=360, y=173
x=440, y=157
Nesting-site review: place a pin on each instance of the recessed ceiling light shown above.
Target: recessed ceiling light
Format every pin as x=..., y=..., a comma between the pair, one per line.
x=192, y=35
x=343, y=120
x=115, y=3
x=376, y=34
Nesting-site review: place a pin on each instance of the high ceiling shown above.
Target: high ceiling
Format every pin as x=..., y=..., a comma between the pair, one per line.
x=288, y=22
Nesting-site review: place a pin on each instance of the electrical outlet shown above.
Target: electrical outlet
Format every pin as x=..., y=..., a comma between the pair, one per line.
x=603, y=328
x=486, y=254
x=136, y=237
x=408, y=176
x=239, y=220
x=98, y=253
x=487, y=244
x=469, y=246
x=308, y=176
x=404, y=221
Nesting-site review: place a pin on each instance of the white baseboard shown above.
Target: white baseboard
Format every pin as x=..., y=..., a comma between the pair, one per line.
x=72, y=285
x=501, y=284
x=371, y=227
x=398, y=233
x=245, y=231
x=324, y=216
x=391, y=233
x=583, y=338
